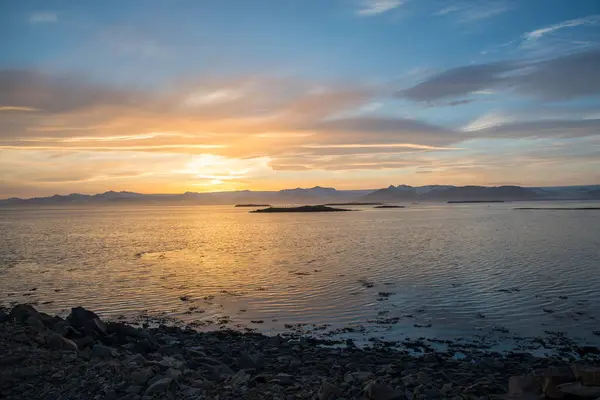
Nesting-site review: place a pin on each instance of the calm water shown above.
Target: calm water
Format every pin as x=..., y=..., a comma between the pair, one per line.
x=445, y=265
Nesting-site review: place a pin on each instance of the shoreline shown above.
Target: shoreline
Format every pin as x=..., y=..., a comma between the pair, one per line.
x=83, y=357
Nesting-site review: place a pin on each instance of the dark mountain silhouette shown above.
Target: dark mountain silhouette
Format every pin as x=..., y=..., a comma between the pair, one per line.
x=321, y=195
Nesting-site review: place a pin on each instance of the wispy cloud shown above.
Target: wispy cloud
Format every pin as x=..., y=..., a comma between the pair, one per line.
x=16, y=108
x=592, y=20
x=474, y=11
x=375, y=7
x=45, y=17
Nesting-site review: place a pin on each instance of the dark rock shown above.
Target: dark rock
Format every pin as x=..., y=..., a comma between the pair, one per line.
x=159, y=386
x=21, y=312
x=84, y=342
x=35, y=323
x=55, y=341
x=328, y=391
x=142, y=376
x=577, y=389
x=587, y=375
x=102, y=352
x=378, y=391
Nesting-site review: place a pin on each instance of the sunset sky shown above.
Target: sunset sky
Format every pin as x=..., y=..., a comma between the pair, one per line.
x=161, y=96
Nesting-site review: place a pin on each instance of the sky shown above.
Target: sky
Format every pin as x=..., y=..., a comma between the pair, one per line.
x=162, y=96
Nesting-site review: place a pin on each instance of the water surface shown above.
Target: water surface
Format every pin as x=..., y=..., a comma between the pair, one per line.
x=453, y=270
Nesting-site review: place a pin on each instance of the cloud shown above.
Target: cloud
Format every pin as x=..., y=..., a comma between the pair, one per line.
x=592, y=20
x=466, y=12
x=375, y=7
x=566, y=77
x=45, y=17
x=17, y=108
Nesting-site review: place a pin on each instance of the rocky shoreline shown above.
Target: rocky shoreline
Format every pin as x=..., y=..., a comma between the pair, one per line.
x=83, y=357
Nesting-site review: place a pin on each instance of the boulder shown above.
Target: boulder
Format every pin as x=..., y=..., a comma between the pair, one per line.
x=87, y=321
x=328, y=391
x=159, y=386
x=102, y=352
x=21, y=312
x=84, y=342
x=587, y=375
x=525, y=384
x=142, y=376
x=378, y=391
x=35, y=323
x=57, y=342
x=579, y=390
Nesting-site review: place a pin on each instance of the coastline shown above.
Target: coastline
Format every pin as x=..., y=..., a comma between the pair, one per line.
x=83, y=357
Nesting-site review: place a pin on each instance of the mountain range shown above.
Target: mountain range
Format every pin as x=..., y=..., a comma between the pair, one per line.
x=318, y=194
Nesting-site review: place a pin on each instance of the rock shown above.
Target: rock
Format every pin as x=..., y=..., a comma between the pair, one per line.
x=240, y=378
x=21, y=312
x=84, y=342
x=378, y=391
x=171, y=362
x=283, y=379
x=57, y=342
x=587, y=375
x=142, y=376
x=159, y=386
x=409, y=380
x=577, y=389
x=135, y=359
x=423, y=378
x=447, y=388
x=35, y=322
x=328, y=391
x=101, y=351
x=87, y=321
x=553, y=377
x=134, y=389
x=174, y=374
x=525, y=384
x=358, y=376
x=247, y=361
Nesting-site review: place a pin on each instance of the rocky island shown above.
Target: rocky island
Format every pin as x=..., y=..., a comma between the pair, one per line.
x=389, y=206
x=253, y=205
x=299, y=209
x=354, y=203
x=83, y=357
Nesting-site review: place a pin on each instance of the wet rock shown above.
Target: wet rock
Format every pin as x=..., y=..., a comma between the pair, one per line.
x=577, y=389
x=102, y=352
x=378, y=391
x=87, y=321
x=328, y=391
x=159, y=386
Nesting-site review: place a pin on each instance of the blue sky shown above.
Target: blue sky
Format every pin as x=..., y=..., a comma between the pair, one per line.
x=221, y=95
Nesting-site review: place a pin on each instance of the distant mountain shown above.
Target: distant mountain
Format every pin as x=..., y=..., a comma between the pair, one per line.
x=320, y=195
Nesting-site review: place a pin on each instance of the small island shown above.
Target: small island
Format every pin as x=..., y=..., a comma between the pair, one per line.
x=388, y=206
x=299, y=209
x=253, y=205
x=354, y=203
x=474, y=201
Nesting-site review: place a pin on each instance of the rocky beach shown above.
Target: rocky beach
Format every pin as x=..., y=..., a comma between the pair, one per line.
x=84, y=357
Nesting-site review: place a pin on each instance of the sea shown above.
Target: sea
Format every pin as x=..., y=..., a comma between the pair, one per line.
x=430, y=270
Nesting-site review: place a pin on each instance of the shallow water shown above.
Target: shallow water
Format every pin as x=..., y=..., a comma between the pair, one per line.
x=454, y=270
